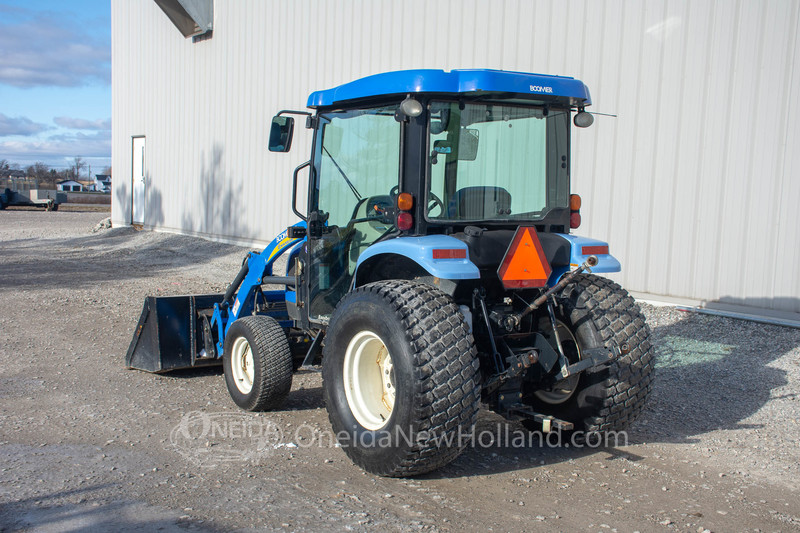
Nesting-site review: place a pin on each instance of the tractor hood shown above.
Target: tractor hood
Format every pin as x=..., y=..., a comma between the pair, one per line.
x=564, y=90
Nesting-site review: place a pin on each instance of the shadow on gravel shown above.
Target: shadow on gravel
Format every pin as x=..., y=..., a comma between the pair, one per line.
x=304, y=399
x=499, y=446
x=115, y=255
x=712, y=373
x=58, y=512
x=189, y=373
x=299, y=399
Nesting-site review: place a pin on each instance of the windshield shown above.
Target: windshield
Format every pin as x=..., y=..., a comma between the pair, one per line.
x=496, y=162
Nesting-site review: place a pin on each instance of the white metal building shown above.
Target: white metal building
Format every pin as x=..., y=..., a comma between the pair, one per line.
x=694, y=184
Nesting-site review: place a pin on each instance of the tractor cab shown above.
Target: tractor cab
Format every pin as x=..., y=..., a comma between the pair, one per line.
x=466, y=155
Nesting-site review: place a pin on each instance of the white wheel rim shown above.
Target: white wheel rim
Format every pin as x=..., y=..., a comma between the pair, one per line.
x=242, y=365
x=564, y=389
x=369, y=383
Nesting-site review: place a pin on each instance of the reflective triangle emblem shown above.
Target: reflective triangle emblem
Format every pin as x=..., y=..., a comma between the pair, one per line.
x=524, y=265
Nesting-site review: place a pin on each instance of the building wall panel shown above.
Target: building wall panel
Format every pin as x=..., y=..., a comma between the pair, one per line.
x=692, y=182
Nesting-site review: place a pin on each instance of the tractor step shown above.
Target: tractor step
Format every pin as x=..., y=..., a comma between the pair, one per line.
x=549, y=423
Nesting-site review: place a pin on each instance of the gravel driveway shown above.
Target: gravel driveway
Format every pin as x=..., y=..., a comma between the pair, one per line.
x=87, y=445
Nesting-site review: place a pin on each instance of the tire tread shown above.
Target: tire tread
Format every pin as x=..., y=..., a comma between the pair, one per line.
x=617, y=317
x=275, y=360
x=447, y=387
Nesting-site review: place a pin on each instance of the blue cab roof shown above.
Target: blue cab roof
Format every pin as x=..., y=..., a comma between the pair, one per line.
x=467, y=81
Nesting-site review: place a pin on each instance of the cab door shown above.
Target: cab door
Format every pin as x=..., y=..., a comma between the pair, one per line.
x=356, y=175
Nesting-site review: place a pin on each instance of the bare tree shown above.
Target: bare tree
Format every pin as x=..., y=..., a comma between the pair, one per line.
x=43, y=175
x=77, y=166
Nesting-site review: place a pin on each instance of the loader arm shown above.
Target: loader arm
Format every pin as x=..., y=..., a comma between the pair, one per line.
x=246, y=287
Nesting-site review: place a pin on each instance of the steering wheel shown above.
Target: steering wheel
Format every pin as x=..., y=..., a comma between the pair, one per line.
x=433, y=202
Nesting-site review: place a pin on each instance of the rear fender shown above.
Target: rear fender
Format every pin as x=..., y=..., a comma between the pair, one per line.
x=580, y=250
x=419, y=250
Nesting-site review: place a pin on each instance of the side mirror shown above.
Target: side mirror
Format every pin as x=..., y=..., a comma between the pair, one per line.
x=467, y=149
x=280, y=134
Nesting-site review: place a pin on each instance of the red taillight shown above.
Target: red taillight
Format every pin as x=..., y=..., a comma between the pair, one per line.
x=574, y=219
x=404, y=221
x=594, y=250
x=454, y=253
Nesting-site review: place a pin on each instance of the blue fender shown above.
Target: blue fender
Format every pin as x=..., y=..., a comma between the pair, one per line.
x=420, y=250
x=605, y=261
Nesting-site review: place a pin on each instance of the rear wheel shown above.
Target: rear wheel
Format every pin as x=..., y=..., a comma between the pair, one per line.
x=257, y=363
x=400, y=378
x=595, y=312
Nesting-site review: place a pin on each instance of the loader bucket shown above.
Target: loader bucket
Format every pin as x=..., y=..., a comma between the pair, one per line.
x=168, y=335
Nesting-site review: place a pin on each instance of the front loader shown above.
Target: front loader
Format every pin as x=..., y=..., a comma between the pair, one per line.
x=433, y=268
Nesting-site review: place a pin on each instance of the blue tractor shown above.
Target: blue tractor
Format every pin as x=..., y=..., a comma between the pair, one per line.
x=432, y=269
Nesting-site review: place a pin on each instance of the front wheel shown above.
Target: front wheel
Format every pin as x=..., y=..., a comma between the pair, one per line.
x=257, y=363
x=594, y=312
x=400, y=376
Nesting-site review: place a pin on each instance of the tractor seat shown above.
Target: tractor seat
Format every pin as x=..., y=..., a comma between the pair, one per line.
x=480, y=202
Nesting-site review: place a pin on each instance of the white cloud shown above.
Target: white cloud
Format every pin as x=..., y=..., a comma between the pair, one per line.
x=19, y=126
x=59, y=146
x=82, y=123
x=49, y=50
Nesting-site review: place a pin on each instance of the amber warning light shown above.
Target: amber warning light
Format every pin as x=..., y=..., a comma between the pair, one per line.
x=524, y=265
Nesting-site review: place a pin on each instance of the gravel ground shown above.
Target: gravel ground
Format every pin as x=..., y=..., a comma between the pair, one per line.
x=88, y=445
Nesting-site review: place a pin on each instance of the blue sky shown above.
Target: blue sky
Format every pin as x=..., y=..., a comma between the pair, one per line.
x=55, y=82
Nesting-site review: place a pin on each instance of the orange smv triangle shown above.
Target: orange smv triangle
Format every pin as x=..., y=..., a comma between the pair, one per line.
x=524, y=265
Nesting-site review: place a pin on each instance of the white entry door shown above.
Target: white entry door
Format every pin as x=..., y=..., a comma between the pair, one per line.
x=137, y=182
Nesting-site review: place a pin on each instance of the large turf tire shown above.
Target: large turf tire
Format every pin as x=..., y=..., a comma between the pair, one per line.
x=259, y=344
x=600, y=313
x=434, y=375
